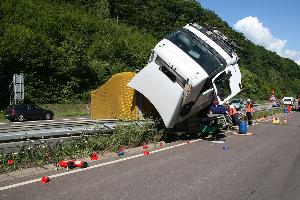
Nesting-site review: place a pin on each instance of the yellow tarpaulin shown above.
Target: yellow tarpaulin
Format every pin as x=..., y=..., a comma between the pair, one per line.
x=114, y=99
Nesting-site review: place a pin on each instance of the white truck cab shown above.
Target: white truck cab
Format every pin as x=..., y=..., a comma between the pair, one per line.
x=186, y=71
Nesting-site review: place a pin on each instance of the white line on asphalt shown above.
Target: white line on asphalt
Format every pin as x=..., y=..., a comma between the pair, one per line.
x=81, y=118
x=94, y=166
x=66, y=119
x=2, y=123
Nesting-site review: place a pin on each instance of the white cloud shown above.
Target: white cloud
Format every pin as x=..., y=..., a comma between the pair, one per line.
x=255, y=31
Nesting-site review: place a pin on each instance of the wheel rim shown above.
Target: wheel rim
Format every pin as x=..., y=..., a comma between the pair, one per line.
x=21, y=118
x=48, y=116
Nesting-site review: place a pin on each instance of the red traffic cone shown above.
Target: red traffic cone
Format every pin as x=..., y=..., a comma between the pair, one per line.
x=80, y=163
x=45, y=179
x=66, y=164
x=10, y=162
x=145, y=146
x=146, y=153
x=94, y=156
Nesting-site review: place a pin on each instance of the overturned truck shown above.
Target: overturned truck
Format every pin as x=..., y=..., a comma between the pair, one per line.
x=187, y=70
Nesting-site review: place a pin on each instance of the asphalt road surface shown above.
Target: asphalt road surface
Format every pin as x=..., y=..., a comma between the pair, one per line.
x=265, y=165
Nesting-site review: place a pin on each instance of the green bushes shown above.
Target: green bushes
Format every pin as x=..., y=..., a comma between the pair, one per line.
x=132, y=135
x=266, y=113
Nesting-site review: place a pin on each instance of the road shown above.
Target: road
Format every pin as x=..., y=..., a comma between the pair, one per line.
x=265, y=165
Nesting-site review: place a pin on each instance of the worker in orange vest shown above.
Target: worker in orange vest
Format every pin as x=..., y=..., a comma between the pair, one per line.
x=233, y=114
x=249, y=111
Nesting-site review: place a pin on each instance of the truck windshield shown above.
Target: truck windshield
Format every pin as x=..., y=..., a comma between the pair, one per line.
x=198, y=50
x=226, y=44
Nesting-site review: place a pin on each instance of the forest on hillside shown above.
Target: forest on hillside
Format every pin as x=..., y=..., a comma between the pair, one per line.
x=66, y=48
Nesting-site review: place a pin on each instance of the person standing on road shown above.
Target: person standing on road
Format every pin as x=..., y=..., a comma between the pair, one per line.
x=233, y=114
x=249, y=111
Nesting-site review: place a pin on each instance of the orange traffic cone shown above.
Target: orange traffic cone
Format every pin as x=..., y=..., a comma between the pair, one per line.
x=285, y=120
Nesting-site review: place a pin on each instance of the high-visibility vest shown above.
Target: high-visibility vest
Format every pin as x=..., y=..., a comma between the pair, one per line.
x=249, y=107
x=231, y=110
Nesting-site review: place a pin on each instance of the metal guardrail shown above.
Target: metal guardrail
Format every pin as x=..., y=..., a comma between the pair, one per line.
x=12, y=142
x=55, y=129
x=33, y=133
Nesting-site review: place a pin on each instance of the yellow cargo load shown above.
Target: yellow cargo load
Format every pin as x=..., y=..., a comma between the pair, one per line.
x=115, y=100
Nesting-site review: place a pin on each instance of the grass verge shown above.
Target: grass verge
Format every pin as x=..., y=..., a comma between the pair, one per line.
x=67, y=110
x=38, y=155
x=266, y=113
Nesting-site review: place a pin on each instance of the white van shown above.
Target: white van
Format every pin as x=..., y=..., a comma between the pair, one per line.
x=288, y=101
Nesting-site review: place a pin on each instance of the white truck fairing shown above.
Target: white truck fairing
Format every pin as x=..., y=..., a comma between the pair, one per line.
x=186, y=72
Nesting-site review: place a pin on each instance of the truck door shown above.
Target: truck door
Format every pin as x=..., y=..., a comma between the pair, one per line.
x=227, y=83
x=161, y=90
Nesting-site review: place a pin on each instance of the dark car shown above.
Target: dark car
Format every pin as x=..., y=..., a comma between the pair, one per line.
x=23, y=112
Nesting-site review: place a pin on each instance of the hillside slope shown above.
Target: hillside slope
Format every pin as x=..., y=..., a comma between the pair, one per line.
x=66, y=48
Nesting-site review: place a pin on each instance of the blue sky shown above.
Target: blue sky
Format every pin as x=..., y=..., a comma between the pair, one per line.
x=274, y=24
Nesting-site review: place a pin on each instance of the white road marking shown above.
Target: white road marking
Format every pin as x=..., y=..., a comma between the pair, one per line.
x=2, y=123
x=66, y=119
x=81, y=118
x=34, y=121
x=218, y=142
x=94, y=166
